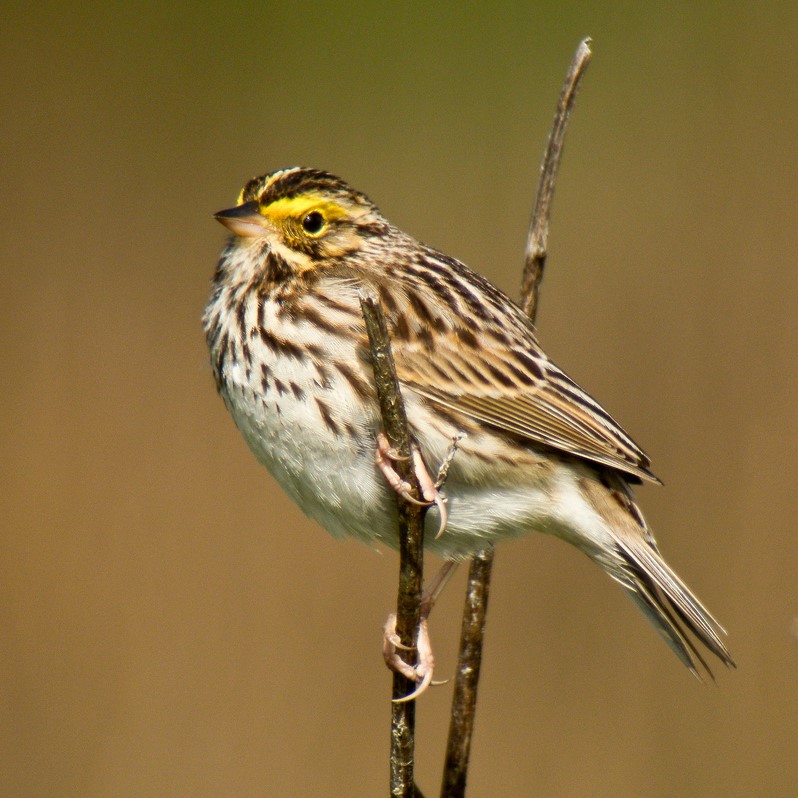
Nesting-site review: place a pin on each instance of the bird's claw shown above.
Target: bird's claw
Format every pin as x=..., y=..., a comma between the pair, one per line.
x=421, y=672
x=384, y=459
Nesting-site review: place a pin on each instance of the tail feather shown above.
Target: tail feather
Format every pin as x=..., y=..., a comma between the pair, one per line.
x=670, y=606
x=661, y=616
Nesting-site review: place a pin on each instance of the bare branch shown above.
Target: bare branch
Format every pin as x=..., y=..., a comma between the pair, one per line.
x=538, y=236
x=464, y=701
x=411, y=543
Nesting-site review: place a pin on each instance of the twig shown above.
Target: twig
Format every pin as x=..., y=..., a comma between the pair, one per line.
x=538, y=235
x=469, y=661
x=411, y=542
x=476, y=604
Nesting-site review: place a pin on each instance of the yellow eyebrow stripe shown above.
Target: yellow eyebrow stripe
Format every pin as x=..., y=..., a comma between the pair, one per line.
x=297, y=207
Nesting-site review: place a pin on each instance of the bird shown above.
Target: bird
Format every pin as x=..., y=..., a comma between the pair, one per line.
x=534, y=452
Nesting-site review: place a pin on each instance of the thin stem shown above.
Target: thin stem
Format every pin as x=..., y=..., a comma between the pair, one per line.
x=464, y=701
x=538, y=235
x=411, y=543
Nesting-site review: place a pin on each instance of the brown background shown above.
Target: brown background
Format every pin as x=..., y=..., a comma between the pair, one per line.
x=170, y=624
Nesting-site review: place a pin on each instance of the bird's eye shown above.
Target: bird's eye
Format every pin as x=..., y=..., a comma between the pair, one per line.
x=313, y=223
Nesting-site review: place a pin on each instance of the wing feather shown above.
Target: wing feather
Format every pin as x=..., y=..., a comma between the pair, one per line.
x=522, y=392
x=493, y=370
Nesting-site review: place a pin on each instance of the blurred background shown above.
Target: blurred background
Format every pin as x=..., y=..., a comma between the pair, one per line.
x=171, y=624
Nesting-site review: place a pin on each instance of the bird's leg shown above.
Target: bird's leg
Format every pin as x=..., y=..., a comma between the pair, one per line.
x=429, y=489
x=422, y=671
x=435, y=587
x=443, y=471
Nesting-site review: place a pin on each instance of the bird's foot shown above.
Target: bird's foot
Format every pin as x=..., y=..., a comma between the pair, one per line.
x=386, y=456
x=421, y=672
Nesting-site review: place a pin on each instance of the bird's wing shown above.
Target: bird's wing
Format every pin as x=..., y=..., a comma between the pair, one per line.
x=512, y=386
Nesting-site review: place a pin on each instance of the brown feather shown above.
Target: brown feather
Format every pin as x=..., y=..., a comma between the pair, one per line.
x=508, y=394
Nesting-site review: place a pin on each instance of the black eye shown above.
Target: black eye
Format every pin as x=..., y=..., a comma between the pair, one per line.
x=313, y=223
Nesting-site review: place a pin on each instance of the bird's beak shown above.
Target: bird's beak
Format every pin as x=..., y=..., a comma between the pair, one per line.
x=243, y=220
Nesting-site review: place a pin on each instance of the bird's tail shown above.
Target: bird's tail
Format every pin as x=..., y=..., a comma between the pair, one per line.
x=667, y=602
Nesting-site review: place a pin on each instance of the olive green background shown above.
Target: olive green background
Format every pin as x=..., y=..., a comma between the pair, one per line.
x=170, y=625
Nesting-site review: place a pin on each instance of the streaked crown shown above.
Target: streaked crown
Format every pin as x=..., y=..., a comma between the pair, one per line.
x=286, y=184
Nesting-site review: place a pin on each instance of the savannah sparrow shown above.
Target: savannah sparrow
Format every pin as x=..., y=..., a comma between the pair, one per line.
x=290, y=357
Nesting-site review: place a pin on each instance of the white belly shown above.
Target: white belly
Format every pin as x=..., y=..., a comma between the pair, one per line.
x=328, y=474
